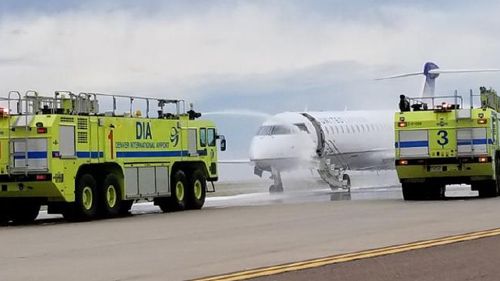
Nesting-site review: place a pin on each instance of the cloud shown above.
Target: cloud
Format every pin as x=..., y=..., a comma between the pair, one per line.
x=162, y=47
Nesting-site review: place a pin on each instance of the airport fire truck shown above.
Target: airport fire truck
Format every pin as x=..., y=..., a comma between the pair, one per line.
x=62, y=152
x=440, y=141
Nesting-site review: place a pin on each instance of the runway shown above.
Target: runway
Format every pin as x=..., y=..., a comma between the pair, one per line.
x=233, y=233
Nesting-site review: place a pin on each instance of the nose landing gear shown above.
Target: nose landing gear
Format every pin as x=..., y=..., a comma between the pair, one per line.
x=277, y=187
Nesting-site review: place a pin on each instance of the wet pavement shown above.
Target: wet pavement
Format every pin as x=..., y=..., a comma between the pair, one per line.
x=293, y=196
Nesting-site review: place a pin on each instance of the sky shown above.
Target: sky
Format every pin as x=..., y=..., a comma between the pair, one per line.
x=266, y=56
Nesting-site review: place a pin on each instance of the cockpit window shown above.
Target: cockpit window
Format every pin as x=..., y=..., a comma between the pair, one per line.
x=274, y=130
x=281, y=130
x=302, y=127
x=265, y=130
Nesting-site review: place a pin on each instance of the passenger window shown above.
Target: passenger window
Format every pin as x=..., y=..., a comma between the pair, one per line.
x=203, y=137
x=211, y=137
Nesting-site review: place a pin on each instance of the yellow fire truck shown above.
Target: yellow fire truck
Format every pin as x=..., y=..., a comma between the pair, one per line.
x=62, y=152
x=441, y=141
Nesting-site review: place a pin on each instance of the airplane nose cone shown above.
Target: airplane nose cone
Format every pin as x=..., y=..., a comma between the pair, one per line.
x=279, y=147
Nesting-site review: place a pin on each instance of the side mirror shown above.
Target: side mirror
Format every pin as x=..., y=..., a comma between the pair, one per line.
x=223, y=145
x=222, y=142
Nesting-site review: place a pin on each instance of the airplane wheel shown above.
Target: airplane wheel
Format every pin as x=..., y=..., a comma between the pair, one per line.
x=347, y=179
x=275, y=188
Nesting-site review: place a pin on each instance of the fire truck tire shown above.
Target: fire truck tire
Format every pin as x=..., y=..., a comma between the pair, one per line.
x=177, y=201
x=4, y=216
x=85, y=205
x=125, y=207
x=411, y=191
x=24, y=211
x=110, y=196
x=435, y=191
x=487, y=189
x=196, y=191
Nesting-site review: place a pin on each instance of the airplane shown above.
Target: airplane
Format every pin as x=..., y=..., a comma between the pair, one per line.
x=329, y=142
x=332, y=142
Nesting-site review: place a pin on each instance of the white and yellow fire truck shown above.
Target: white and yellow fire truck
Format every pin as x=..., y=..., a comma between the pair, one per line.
x=446, y=140
x=62, y=152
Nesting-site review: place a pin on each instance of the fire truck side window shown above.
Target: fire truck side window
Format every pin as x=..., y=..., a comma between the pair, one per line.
x=203, y=137
x=211, y=137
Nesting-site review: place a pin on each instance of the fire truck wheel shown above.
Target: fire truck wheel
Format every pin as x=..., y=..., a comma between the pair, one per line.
x=436, y=191
x=125, y=207
x=85, y=205
x=4, y=216
x=487, y=189
x=177, y=201
x=196, y=191
x=411, y=191
x=24, y=211
x=110, y=196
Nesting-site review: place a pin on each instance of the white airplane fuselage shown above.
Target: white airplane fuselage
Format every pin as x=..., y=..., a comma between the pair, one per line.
x=355, y=139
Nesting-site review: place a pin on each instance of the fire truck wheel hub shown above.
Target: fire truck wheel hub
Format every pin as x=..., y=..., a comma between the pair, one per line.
x=111, y=196
x=198, y=189
x=179, y=191
x=87, y=197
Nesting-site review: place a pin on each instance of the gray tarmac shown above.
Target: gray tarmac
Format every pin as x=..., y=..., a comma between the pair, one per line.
x=234, y=232
x=464, y=261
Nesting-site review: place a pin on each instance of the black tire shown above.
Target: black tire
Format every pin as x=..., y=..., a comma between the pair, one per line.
x=347, y=178
x=411, y=191
x=435, y=192
x=276, y=188
x=487, y=189
x=125, y=207
x=24, y=211
x=4, y=211
x=177, y=200
x=110, y=196
x=197, y=190
x=86, y=200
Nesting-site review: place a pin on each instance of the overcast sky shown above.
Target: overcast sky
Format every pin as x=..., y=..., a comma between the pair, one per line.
x=269, y=56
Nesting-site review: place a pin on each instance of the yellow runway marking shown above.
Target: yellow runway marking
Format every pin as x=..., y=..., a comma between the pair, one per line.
x=265, y=271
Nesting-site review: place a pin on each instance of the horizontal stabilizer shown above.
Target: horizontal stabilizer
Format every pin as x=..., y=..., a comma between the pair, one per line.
x=400, y=75
x=439, y=70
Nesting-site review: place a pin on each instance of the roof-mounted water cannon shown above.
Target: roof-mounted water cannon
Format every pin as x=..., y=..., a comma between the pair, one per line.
x=193, y=114
x=164, y=102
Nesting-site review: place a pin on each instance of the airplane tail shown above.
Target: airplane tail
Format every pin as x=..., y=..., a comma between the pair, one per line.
x=431, y=72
